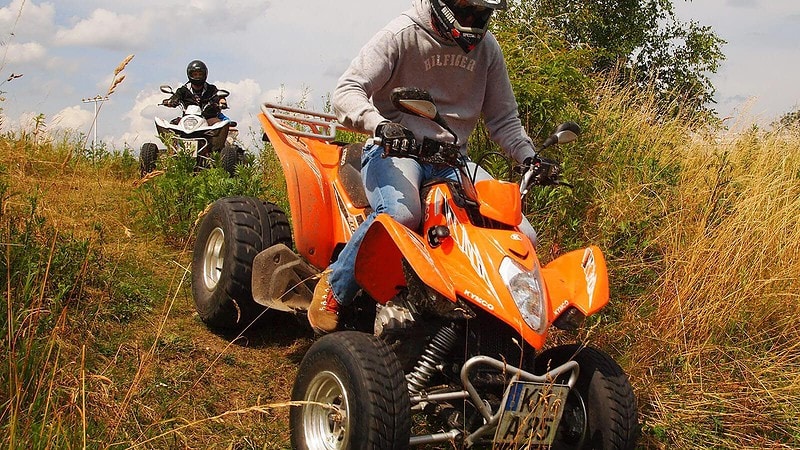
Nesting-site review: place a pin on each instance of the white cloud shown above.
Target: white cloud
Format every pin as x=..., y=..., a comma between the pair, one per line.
x=220, y=16
x=25, y=24
x=29, y=52
x=72, y=118
x=107, y=29
x=116, y=30
x=245, y=94
x=26, y=20
x=141, y=118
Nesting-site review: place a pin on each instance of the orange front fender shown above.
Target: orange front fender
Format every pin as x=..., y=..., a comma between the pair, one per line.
x=379, y=269
x=500, y=201
x=578, y=278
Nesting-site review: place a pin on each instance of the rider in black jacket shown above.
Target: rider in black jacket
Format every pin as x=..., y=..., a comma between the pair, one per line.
x=197, y=92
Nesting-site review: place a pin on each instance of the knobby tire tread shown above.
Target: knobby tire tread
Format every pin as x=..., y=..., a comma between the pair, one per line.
x=376, y=365
x=230, y=158
x=616, y=391
x=254, y=226
x=380, y=375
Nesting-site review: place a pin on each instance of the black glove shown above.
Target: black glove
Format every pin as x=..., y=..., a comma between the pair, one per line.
x=396, y=138
x=169, y=102
x=210, y=110
x=546, y=171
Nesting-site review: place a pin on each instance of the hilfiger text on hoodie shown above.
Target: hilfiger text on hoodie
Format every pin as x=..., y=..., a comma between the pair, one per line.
x=452, y=60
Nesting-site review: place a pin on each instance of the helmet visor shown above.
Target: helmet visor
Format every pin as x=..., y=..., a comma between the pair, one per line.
x=196, y=74
x=468, y=16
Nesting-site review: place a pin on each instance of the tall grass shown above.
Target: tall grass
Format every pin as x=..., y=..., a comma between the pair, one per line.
x=44, y=273
x=702, y=230
x=64, y=291
x=724, y=348
x=90, y=359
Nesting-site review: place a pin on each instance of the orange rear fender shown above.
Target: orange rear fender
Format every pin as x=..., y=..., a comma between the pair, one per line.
x=578, y=278
x=379, y=269
x=309, y=166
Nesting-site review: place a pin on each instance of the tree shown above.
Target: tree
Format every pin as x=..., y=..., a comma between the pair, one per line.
x=789, y=120
x=549, y=76
x=640, y=40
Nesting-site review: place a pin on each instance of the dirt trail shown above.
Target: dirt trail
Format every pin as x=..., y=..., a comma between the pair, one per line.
x=156, y=379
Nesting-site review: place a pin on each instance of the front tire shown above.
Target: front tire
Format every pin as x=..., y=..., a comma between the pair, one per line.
x=230, y=158
x=233, y=232
x=356, y=393
x=148, y=155
x=600, y=411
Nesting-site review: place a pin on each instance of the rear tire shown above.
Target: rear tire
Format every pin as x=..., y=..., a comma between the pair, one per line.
x=148, y=155
x=600, y=411
x=360, y=380
x=228, y=238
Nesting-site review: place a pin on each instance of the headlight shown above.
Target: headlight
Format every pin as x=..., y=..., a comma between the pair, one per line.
x=526, y=289
x=190, y=123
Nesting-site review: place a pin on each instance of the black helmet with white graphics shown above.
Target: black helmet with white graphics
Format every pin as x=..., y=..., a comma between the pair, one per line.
x=464, y=21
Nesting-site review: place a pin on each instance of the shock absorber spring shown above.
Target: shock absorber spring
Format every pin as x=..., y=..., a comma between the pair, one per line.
x=427, y=364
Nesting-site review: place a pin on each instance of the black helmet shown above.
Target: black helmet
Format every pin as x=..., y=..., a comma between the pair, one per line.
x=197, y=72
x=464, y=21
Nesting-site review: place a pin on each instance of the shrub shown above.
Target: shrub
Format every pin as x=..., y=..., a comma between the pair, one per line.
x=170, y=199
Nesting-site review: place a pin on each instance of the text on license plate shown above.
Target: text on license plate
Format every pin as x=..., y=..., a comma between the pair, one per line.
x=190, y=146
x=530, y=413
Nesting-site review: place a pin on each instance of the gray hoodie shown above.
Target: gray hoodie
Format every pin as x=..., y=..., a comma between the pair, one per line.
x=409, y=52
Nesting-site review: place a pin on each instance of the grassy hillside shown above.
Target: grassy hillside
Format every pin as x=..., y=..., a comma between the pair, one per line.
x=102, y=347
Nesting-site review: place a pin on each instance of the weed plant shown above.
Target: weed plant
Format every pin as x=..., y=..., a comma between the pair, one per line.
x=170, y=200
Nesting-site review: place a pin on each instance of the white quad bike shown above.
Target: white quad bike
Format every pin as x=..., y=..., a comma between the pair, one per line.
x=191, y=134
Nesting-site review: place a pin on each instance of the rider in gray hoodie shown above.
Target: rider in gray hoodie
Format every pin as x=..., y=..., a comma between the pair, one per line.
x=444, y=47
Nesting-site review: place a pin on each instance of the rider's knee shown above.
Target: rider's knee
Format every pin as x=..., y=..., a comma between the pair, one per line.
x=403, y=215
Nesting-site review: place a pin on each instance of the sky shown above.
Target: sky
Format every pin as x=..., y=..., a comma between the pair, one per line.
x=66, y=52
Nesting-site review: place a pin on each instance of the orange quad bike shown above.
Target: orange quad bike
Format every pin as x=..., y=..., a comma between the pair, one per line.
x=450, y=328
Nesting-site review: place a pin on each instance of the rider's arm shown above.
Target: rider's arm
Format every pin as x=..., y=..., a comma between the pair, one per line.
x=368, y=72
x=174, y=99
x=182, y=96
x=500, y=109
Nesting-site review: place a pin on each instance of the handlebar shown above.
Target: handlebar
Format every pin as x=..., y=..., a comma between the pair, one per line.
x=428, y=151
x=541, y=172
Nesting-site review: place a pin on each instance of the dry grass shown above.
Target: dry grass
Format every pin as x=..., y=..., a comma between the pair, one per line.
x=161, y=380
x=712, y=346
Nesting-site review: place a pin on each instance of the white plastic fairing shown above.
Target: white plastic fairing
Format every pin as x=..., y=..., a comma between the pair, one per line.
x=192, y=110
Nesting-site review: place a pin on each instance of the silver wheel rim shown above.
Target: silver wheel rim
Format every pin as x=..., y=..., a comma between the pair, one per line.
x=213, y=258
x=326, y=422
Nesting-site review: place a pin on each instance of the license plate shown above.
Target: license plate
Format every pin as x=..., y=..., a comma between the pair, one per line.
x=191, y=147
x=530, y=413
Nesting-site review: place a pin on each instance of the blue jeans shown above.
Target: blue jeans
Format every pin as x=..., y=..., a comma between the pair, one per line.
x=392, y=187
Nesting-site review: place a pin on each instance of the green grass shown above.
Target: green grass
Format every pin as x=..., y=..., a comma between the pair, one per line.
x=102, y=348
